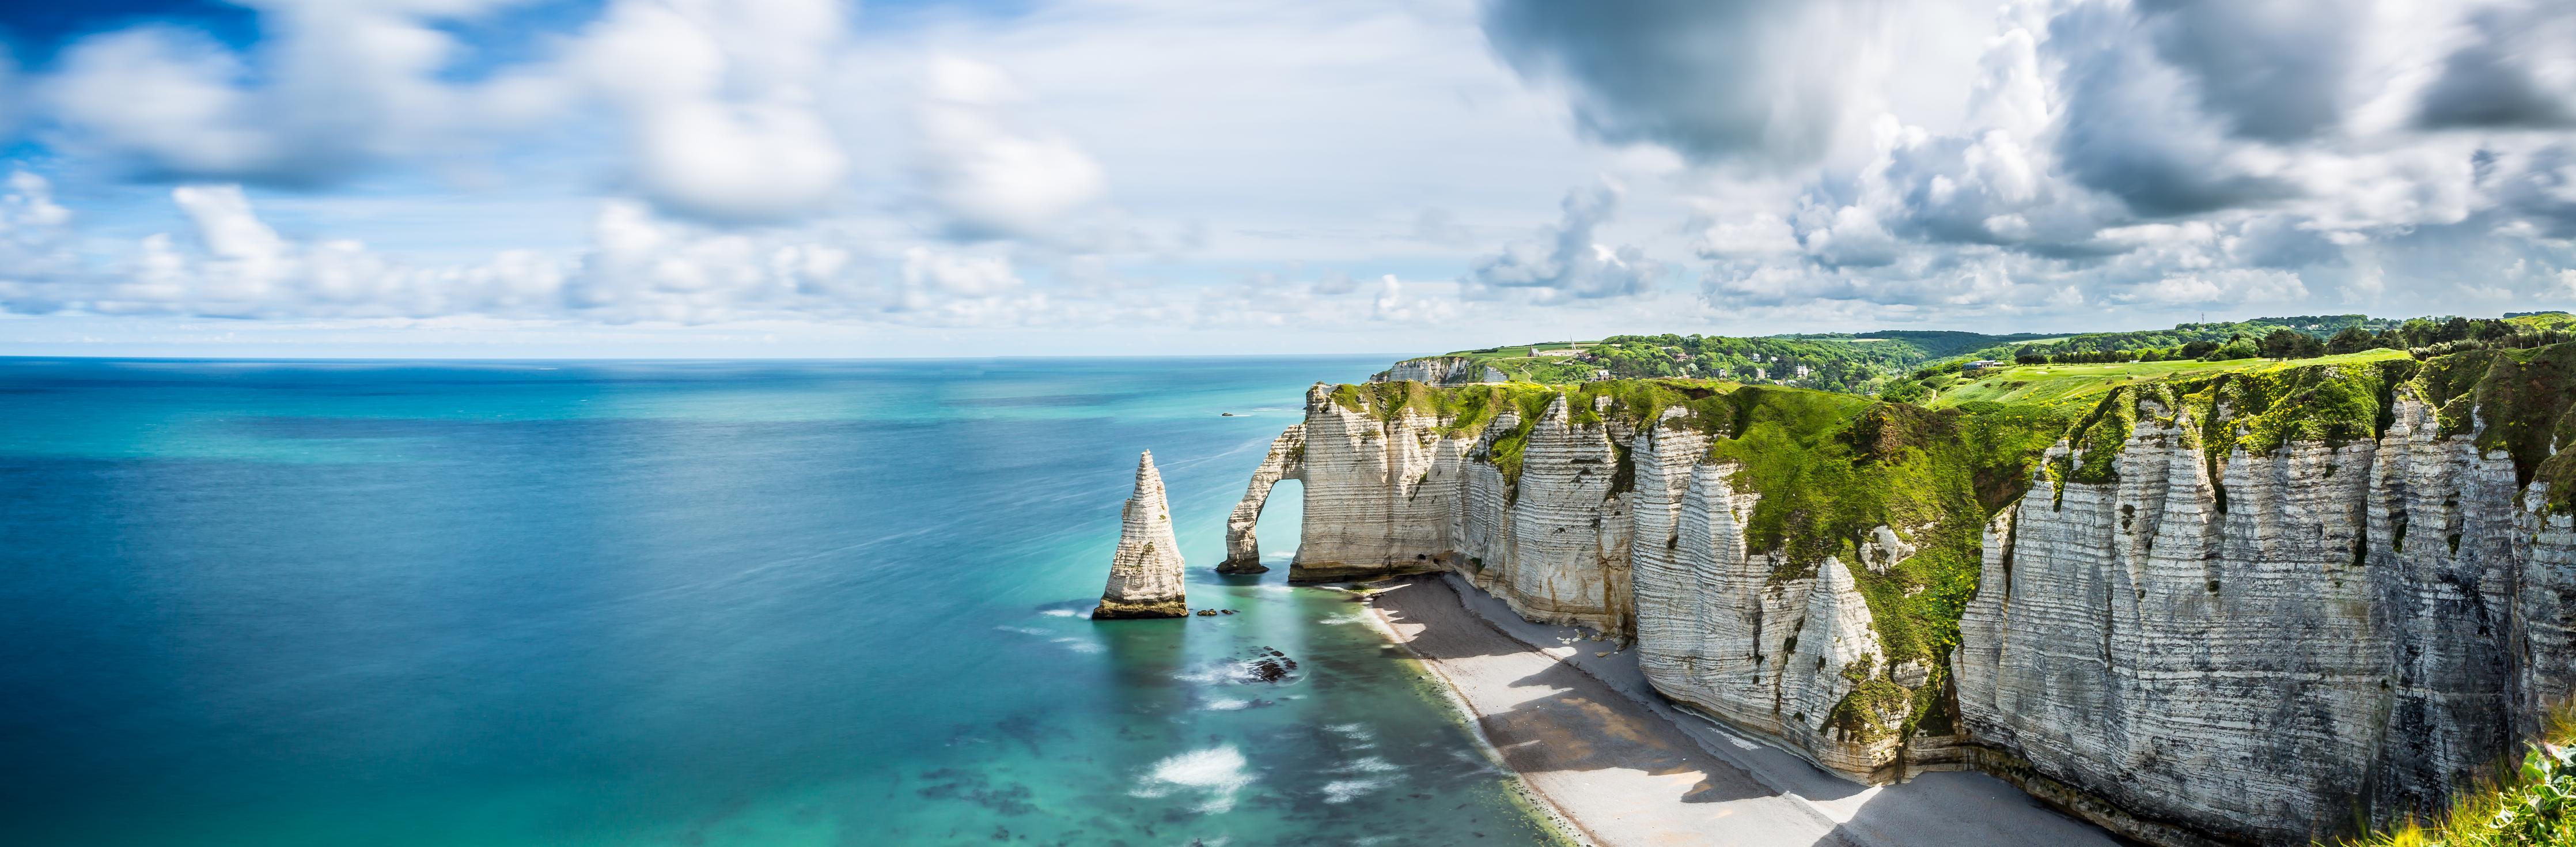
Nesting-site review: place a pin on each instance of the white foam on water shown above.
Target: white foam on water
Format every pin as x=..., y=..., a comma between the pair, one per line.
x=1344, y=790
x=1079, y=646
x=1227, y=704
x=1367, y=764
x=1218, y=772
x=1024, y=630
x=1060, y=613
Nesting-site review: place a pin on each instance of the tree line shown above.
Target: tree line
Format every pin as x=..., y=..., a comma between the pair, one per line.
x=2416, y=336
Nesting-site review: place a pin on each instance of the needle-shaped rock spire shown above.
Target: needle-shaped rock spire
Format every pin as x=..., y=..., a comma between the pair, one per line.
x=1145, y=575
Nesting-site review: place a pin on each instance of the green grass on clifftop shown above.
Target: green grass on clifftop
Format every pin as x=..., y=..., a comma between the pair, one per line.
x=2527, y=399
x=1467, y=410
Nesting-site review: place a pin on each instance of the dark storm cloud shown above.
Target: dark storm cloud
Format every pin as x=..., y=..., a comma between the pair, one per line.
x=2539, y=187
x=2489, y=81
x=2271, y=69
x=1711, y=79
x=2278, y=241
x=2129, y=130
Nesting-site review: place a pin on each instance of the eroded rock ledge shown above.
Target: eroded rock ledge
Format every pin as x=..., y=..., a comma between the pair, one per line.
x=2237, y=609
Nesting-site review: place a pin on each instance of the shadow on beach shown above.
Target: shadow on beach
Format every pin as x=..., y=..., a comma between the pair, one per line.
x=1646, y=771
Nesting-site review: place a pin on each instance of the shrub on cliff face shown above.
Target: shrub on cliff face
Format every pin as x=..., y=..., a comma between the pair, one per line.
x=1830, y=471
x=1874, y=709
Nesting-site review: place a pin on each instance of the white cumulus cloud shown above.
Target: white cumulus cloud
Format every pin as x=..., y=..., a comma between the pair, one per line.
x=1567, y=261
x=990, y=174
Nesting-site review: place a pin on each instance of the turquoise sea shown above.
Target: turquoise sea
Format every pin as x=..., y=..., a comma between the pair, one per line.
x=679, y=603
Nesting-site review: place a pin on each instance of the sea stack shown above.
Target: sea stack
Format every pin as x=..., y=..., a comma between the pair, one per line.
x=1145, y=575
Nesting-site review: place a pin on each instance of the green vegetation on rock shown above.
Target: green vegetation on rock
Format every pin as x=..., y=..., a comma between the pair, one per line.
x=1874, y=708
x=2267, y=409
x=1832, y=469
x=2527, y=399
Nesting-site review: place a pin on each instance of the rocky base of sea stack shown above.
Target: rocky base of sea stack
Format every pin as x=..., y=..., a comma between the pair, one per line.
x=1111, y=610
x=1246, y=566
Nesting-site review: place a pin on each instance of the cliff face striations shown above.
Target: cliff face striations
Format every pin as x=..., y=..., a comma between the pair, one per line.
x=1145, y=573
x=2259, y=624
x=2237, y=609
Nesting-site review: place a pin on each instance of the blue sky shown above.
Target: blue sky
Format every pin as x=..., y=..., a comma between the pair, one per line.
x=822, y=178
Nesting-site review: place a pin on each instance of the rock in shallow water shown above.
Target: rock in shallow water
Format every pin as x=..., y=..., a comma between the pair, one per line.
x=1145, y=573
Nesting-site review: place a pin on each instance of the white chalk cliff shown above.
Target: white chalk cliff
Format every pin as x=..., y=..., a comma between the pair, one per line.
x=2231, y=649
x=1145, y=573
x=1439, y=370
x=2357, y=626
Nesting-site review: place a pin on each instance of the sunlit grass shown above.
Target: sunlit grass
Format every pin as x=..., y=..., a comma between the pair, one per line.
x=2056, y=385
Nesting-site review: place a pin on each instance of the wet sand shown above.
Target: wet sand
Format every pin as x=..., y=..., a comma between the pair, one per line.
x=1624, y=767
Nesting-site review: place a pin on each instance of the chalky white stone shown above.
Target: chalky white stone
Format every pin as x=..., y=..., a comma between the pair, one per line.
x=2259, y=670
x=1439, y=370
x=2206, y=649
x=1145, y=573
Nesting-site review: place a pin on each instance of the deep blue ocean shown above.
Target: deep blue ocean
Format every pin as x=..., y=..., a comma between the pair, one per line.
x=679, y=603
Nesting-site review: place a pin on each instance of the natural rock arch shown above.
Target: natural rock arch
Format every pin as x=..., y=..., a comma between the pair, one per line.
x=1287, y=460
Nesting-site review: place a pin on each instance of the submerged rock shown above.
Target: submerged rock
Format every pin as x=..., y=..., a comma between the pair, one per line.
x=1145, y=574
x=1268, y=665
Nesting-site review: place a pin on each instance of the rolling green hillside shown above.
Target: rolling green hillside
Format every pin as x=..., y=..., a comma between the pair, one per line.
x=1942, y=368
x=2077, y=385
x=1852, y=364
